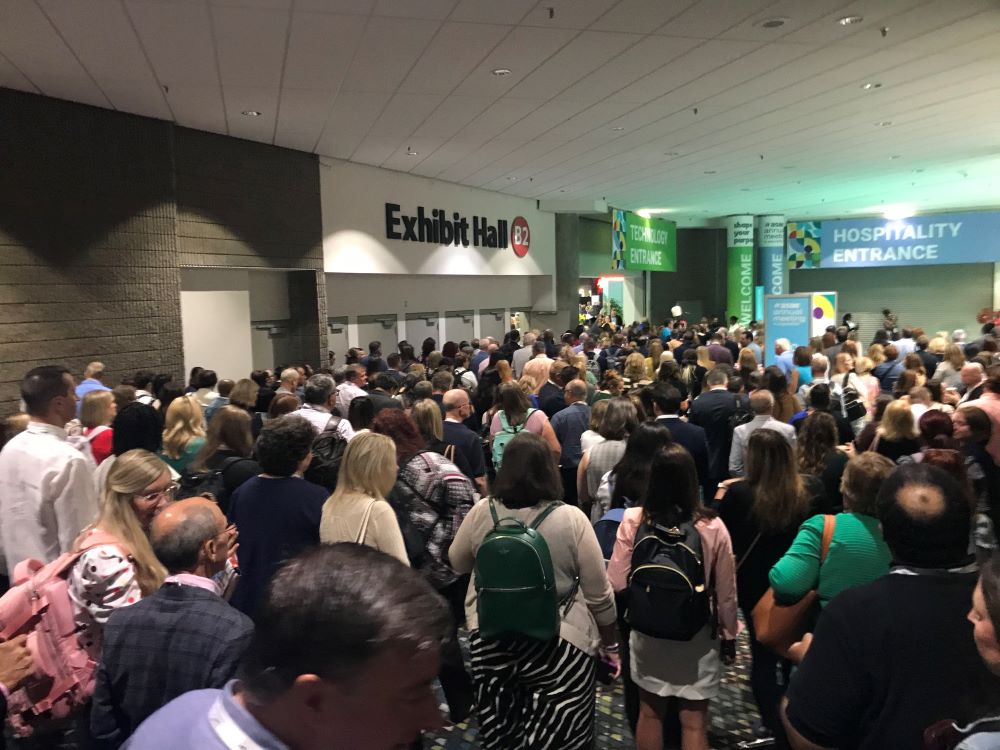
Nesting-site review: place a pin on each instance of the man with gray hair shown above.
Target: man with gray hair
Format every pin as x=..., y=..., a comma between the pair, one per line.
x=761, y=404
x=346, y=653
x=91, y=382
x=182, y=637
x=522, y=355
x=289, y=382
x=318, y=401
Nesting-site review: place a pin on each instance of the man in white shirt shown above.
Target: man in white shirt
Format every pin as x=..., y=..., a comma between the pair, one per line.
x=906, y=344
x=356, y=377
x=47, y=491
x=761, y=404
x=319, y=398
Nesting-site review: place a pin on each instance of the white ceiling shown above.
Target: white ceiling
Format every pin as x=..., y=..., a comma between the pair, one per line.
x=686, y=105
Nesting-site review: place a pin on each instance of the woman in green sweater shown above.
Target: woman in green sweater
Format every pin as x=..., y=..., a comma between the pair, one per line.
x=857, y=553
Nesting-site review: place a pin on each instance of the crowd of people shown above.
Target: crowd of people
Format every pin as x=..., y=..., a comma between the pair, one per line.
x=288, y=559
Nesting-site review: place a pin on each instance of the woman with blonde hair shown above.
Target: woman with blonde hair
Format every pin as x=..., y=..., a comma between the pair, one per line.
x=746, y=364
x=244, y=395
x=703, y=359
x=97, y=412
x=653, y=360
x=876, y=353
x=357, y=510
x=183, y=433
x=949, y=372
x=117, y=566
x=896, y=435
x=635, y=371
x=505, y=372
x=426, y=415
x=870, y=387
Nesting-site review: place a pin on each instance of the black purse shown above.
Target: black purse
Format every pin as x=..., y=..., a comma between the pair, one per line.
x=854, y=408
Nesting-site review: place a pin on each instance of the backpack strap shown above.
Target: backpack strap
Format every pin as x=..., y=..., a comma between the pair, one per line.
x=544, y=514
x=333, y=422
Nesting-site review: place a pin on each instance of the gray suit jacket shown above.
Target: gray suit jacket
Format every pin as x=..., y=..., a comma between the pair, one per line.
x=741, y=436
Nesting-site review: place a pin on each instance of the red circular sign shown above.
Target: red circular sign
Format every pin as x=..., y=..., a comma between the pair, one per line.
x=520, y=236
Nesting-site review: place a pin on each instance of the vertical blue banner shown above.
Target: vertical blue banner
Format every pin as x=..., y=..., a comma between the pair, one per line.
x=773, y=268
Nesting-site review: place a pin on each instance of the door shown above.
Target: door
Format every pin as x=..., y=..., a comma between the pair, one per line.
x=381, y=328
x=458, y=325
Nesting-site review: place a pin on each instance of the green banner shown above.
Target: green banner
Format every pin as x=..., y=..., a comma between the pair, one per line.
x=739, y=272
x=641, y=244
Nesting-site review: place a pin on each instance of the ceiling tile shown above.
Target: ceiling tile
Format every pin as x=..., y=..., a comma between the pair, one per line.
x=456, y=50
x=427, y=9
x=31, y=43
x=709, y=18
x=451, y=115
x=568, y=14
x=241, y=99
x=490, y=11
x=387, y=51
x=302, y=114
x=11, y=77
x=351, y=7
x=251, y=45
x=355, y=112
x=198, y=107
x=642, y=16
x=320, y=47
x=160, y=26
x=403, y=114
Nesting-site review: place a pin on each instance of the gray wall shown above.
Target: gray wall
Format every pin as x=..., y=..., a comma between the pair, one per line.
x=99, y=210
x=88, y=252
x=700, y=277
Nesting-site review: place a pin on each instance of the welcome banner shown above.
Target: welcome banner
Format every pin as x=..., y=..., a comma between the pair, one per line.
x=739, y=272
x=920, y=240
x=641, y=244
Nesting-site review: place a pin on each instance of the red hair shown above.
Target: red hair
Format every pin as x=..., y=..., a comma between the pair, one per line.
x=396, y=424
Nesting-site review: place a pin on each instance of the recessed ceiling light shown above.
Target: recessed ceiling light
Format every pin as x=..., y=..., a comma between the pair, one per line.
x=884, y=123
x=501, y=72
x=870, y=85
x=772, y=23
x=251, y=113
x=894, y=156
x=671, y=153
x=411, y=152
x=769, y=199
x=710, y=171
x=512, y=178
x=918, y=171
x=618, y=128
x=850, y=20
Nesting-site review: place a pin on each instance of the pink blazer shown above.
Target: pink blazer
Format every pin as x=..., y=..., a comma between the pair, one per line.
x=720, y=566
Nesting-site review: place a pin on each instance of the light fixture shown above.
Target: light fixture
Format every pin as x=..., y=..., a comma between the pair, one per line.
x=871, y=85
x=648, y=212
x=501, y=72
x=251, y=113
x=671, y=153
x=618, y=128
x=893, y=156
x=772, y=23
x=898, y=212
x=884, y=123
x=769, y=199
x=512, y=178
x=411, y=152
x=710, y=171
x=850, y=20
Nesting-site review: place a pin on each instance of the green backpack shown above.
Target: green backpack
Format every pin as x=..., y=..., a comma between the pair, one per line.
x=515, y=582
x=505, y=435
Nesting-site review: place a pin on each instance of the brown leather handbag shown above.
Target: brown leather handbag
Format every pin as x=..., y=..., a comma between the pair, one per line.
x=779, y=626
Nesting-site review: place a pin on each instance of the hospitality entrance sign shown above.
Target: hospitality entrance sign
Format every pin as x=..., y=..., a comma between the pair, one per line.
x=641, y=244
x=920, y=240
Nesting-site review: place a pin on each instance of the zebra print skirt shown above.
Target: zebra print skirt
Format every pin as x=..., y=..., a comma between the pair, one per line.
x=532, y=695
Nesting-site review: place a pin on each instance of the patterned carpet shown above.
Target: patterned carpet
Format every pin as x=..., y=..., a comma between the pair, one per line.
x=732, y=715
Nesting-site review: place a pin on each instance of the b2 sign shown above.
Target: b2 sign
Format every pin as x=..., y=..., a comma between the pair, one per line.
x=920, y=240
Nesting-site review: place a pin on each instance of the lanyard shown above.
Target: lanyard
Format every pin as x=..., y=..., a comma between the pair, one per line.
x=227, y=730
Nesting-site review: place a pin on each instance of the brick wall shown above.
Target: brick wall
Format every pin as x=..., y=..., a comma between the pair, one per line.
x=88, y=253
x=98, y=211
x=249, y=205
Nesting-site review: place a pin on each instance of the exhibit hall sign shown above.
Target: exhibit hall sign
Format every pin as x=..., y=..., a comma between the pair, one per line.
x=739, y=271
x=439, y=228
x=919, y=240
x=641, y=244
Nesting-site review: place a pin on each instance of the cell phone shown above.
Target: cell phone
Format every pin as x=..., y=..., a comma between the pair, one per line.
x=605, y=672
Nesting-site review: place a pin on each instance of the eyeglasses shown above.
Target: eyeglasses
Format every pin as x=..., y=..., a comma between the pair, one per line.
x=152, y=497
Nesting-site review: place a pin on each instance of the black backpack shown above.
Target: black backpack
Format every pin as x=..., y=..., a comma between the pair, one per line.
x=667, y=594
x=328, y=451
x=741, y=416
x=193, y=484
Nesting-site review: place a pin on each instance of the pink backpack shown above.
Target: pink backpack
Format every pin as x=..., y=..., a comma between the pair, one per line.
x=39, y=604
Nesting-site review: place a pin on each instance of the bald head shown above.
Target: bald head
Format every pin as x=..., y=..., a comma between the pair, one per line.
x=454, y=400
x=94, y=370
x=972, y=374
x=761, y=402
x=186, y=537
x=575, y=390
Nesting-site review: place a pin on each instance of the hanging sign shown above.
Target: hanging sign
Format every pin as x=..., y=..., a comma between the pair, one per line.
x=739, y=272
x=641, y=244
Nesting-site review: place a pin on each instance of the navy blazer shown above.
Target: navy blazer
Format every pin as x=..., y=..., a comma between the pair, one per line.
x=692, y=437
x=711, y=411
x=180, y=638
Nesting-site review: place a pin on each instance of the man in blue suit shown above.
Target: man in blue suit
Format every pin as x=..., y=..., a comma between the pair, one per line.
x=666, y=401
